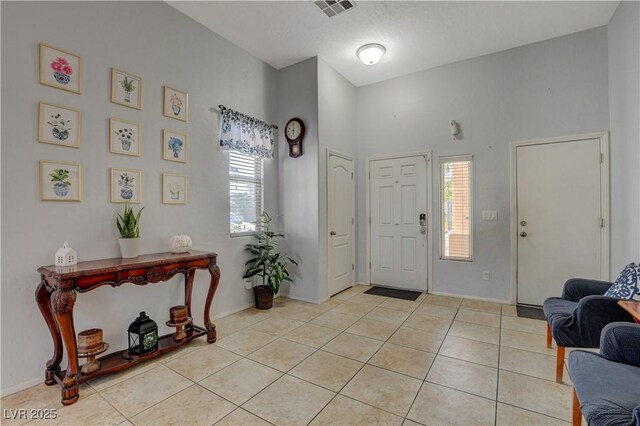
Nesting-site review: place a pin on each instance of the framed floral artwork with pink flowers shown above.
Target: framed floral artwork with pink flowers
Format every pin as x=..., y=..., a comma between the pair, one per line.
x=175, y=103
x=60, y=69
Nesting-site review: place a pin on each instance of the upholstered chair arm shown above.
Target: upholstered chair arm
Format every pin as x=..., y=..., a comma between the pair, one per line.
x=620, y=342
x=577, y=288
x=594, y=313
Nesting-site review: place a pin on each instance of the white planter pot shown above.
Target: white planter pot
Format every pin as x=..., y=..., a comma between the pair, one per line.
x=129, y=247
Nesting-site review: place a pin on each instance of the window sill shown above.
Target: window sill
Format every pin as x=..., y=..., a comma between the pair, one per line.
x=242, y=234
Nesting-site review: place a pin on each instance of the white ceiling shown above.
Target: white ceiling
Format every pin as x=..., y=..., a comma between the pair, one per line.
x=418, y=35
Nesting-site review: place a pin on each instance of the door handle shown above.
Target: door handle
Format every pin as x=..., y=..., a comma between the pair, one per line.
x=523, y=234
x=332, y=233
x=523, y=223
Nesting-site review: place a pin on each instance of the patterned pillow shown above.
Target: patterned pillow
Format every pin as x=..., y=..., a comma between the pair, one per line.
x=626, y=285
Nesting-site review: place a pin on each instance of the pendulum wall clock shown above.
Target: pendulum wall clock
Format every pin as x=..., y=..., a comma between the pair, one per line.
x=294, y=132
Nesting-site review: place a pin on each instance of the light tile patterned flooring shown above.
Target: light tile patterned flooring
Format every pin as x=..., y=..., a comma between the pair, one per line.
x=356, y=359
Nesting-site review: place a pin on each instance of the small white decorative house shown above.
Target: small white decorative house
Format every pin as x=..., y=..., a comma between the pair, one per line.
x=66, y=256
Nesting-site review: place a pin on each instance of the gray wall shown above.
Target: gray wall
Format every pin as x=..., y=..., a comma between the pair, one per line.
x=337, y=124
x=552, y=88
x=298, y=180
x=163, y=46
x=624, y=99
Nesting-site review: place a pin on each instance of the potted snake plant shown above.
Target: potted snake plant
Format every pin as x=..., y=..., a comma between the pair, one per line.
x=267, y=263
x=128, y=225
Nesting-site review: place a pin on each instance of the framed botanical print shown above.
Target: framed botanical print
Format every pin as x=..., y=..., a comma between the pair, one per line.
x=175, y=103
x=174, y=146
x=126, y=89
x=58, y=125
x=60, y=181
x=124, y=137
x=60, y=69
x=174, y=189
x=126, y=185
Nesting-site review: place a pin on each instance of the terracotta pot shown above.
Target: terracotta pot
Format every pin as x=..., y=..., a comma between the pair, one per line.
x=263, y=296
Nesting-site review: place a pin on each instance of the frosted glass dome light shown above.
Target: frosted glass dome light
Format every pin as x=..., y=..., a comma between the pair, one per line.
x=371, y=54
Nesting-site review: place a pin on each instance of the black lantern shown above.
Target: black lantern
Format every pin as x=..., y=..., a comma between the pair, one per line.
x=143, y=335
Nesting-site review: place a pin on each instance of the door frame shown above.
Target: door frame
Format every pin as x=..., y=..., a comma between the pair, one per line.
x=331, y=152
x=428, y=185
x=603, y=137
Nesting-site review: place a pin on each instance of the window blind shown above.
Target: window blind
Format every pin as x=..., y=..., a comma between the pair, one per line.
x=245, y=192
x=456, y=236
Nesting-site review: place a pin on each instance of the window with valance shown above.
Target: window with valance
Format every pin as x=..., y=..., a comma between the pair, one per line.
x=245, y=134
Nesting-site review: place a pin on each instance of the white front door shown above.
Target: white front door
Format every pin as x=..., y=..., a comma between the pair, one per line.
x=340, y=198
x=559, y=216
x=398, y=196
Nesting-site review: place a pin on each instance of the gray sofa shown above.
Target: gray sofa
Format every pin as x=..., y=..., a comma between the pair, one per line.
x=607, y=385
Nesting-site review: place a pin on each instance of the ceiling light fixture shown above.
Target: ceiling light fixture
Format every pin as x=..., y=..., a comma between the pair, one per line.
x=371, y=54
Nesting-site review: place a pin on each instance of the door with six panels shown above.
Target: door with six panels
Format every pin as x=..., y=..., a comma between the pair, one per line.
x=398, y=198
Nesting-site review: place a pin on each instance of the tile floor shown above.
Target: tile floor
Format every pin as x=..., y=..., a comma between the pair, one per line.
x=355, y=360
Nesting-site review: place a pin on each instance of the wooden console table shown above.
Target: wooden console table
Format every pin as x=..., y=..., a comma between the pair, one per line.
x=56, y=296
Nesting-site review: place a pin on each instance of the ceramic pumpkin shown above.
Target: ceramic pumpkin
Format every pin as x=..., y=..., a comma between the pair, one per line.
x=180, y=243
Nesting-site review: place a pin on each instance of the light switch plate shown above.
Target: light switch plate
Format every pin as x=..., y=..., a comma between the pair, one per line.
x=489, y=215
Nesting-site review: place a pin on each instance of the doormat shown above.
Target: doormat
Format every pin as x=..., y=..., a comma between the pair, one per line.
x=393, y=292
x=530, y=312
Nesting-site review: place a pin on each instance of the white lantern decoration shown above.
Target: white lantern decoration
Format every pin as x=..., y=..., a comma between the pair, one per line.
x=66, y=256
x=180, y=243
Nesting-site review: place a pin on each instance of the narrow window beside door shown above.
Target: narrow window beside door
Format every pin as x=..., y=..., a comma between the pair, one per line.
x=456, y=236
x=245, y=192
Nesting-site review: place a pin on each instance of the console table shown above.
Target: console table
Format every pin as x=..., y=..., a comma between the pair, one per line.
x=56, y=296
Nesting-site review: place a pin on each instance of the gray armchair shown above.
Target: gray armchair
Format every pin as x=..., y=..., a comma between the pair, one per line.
x=606, y=386
x=577, y=318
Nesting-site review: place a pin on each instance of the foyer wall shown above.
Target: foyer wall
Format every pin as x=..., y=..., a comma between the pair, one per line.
x=298, y=179
x=551, y=88
x=164, y=47
x=624, y=110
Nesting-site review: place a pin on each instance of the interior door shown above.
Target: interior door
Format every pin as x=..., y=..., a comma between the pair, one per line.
x=340, y=198
x=398, y=198
x=559, y=216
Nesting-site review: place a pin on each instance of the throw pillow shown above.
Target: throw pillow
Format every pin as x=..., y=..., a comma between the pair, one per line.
x=626, y=285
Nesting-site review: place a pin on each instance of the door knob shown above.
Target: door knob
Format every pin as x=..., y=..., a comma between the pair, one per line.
x=523, y=223
x=332, y=233
x=523, y=234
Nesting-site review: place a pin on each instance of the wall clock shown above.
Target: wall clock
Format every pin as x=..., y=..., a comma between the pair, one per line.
x=294, y=132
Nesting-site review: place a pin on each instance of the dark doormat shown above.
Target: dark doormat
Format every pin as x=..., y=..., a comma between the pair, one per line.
x=393, y=292
x=532, y=312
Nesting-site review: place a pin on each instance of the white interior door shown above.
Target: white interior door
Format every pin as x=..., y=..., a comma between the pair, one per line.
x=398, y=196
x=340, y=198
x=559, y=215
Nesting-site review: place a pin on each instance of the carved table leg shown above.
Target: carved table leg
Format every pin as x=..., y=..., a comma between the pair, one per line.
x=43, y=297
x=62, y=302
x=214, y=270
x=188, y=289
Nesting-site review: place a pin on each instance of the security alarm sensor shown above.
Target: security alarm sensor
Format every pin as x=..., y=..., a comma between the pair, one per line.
x=454, y=128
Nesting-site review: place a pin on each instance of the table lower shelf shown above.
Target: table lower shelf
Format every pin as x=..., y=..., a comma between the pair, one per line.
x=121, y=360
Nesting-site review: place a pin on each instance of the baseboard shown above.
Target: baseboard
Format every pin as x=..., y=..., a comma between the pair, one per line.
x=21, y=387
x=464, y=296
x=305, y=299
x=233, y=311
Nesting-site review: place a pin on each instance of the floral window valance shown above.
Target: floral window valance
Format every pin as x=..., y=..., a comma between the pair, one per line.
x=245, y=134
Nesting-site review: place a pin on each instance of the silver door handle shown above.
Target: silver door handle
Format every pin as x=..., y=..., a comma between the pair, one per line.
x=523, y=223
x=332, y=233
x=523, y=234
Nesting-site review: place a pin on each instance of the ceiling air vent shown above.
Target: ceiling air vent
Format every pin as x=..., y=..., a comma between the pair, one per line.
x=332, y=8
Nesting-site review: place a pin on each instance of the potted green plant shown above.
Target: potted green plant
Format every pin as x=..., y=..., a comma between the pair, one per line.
x=128, y=224
x=267, y=263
